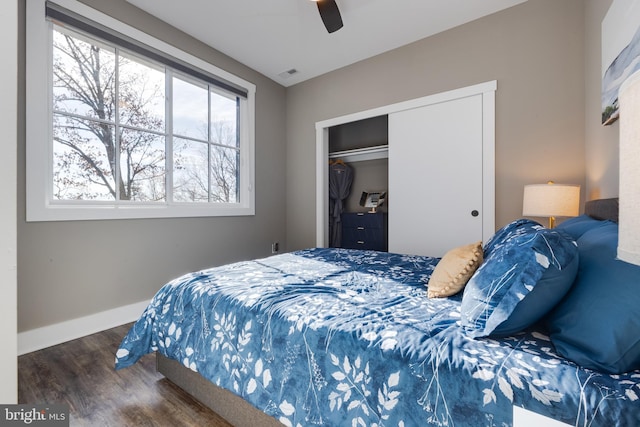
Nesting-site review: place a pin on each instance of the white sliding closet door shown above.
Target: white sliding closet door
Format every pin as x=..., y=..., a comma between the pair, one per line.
x=435, y=177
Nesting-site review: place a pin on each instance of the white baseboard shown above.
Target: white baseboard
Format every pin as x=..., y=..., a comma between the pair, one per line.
x=47, y=336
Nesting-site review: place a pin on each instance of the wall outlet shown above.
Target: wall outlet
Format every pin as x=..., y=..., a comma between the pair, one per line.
x=275, y=247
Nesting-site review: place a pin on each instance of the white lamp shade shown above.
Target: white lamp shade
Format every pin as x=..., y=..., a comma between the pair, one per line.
x=551, y=200
x=629, y=215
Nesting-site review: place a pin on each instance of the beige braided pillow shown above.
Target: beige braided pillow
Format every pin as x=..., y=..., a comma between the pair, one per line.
x=454, y=270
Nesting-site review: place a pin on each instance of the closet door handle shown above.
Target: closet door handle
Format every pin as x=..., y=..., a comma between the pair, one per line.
x=475, y=213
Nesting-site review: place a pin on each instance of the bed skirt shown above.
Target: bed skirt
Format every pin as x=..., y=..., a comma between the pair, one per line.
x=229, y=406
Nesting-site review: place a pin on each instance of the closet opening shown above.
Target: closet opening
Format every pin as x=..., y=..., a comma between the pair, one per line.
x=358, y=163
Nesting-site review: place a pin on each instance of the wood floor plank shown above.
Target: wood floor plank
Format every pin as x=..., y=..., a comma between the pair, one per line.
x=81, y=375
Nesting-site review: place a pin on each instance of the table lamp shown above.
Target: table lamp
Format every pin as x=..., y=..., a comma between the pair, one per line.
x=551, y=200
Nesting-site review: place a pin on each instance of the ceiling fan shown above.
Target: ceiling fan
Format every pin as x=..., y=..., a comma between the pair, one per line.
x=330, y=14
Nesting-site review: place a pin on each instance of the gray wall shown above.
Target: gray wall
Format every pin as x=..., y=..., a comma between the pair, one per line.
x=68, y=270
x=536, y=53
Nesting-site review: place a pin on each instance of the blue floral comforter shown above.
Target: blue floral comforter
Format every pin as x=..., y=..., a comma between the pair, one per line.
x=337, y=337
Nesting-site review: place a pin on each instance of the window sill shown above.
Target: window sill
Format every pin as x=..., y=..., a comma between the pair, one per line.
x=75, y=212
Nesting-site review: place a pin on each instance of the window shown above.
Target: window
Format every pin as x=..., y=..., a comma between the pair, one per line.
x=134, y=128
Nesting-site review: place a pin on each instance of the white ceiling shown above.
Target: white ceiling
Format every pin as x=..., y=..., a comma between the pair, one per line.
x=274, y=36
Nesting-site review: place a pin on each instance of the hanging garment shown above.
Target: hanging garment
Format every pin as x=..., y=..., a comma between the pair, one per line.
x=340, y=179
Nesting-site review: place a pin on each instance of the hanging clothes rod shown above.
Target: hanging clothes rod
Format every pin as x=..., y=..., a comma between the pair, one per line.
x=361, y=154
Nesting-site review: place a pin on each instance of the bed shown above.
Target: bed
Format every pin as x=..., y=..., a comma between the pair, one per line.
x=535, y=319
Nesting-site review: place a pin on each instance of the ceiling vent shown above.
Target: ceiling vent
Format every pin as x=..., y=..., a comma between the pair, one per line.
x=288, y=73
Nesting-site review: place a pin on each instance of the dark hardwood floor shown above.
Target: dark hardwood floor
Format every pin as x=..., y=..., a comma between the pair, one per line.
x=80, y=374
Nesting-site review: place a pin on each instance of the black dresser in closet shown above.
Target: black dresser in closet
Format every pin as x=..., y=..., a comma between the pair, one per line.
x=364, y=230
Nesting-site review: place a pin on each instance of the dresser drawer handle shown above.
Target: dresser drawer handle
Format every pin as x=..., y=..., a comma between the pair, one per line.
x=360, y=242
x=360, y=228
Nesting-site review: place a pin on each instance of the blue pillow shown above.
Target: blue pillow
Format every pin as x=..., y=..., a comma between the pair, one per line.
x=597, y=324
x=579, y=225
x=505, y=233
x=526, y=272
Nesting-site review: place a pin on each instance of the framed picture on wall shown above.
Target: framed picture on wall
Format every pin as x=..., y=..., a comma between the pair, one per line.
x=620, y=52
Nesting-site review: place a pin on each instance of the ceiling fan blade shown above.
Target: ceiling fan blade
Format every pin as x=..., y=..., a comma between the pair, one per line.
x=330, y=14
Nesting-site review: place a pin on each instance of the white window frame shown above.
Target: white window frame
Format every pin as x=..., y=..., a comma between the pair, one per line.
x=39, y=132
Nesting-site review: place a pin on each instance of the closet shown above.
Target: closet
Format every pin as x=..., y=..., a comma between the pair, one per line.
x=440, y=165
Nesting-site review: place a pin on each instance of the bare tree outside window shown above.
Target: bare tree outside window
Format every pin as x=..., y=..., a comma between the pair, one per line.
x=110, y=136
x=224, y=162
x=205, y=155
x=95, y=156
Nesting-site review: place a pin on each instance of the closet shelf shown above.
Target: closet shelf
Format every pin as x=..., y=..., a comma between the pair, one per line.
x=361, y=154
